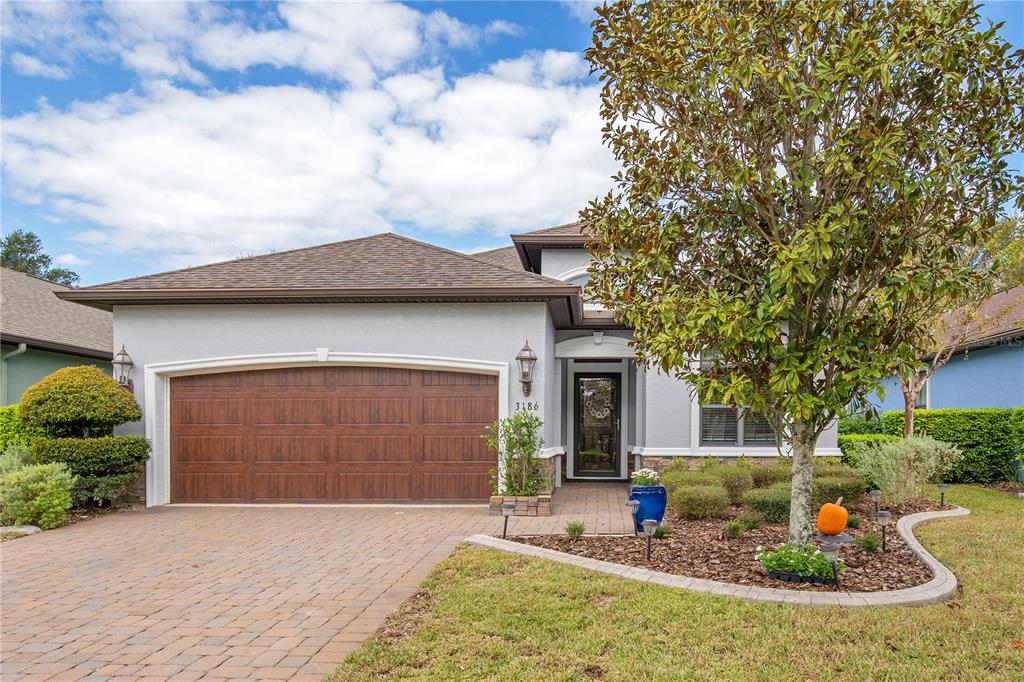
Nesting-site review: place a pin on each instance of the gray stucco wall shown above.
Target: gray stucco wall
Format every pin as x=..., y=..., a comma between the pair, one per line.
x=489, y=332
x=553, y=262
x=667, y=409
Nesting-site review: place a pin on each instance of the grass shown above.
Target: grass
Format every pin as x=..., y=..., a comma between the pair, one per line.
x=486, y=614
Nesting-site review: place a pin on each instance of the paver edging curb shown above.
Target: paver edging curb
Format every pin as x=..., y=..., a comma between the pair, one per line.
x=941, y=587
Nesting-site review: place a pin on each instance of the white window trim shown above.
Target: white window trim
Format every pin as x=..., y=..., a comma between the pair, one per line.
x=576, y=272
x=158, y=376
x=740, y=423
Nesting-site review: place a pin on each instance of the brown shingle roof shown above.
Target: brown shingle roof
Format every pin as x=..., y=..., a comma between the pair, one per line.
x=506, y=257
x=998, y=318
x=568, y=230
x=31, y=313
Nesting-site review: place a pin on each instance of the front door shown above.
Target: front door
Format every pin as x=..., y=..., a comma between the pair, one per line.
x=596, y=428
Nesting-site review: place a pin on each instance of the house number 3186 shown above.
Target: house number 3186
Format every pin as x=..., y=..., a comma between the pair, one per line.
x=527, y=407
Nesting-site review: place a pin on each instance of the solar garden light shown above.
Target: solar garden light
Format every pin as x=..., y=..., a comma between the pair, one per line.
x=831, y=552
x=633, y=505
x=650, y=525
x=876, y=497
x=506, y=510
x=942, y=494
x=883, y=518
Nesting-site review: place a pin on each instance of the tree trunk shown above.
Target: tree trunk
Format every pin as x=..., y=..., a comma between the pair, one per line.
x=909, y=400
x=802, y=442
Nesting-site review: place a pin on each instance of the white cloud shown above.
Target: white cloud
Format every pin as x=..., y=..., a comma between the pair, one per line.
x=71, y=260
x=190, y=177
x=581, y=9
x=27, y=65
x=500, y=27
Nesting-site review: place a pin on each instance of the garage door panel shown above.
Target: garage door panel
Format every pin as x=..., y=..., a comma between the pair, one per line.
x=291, y=449
x=375, y=486
x=208, y=449
x=374, y=411
x=331, y=433
x=209, y=487
x=374, y=448
x=290, y=486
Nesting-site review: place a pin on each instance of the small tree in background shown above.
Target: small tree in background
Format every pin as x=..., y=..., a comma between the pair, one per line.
x=23, y=251
x=801, y=184
x=517, y=440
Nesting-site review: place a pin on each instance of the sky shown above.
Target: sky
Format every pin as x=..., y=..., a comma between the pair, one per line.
x=145, y=136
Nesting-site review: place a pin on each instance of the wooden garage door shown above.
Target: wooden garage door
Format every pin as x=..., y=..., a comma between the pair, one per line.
x=321, y=434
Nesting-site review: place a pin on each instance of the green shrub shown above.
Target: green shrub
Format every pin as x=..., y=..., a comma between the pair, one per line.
x=765, y=475
x=831, y=488
x=106, y=467
x=575, y=529
x=989, y=439
x=736, y=481
x=869, y=542
x=751, y=520
x=796, y=558
x=676, y=476
x=858, y=424
x=849, y=443
x=662, y=531
x=901, y=468
x=772, y=502
x=14, y=458
x=853, y=522
x=517, y=440
x=700, y=501
x=39, y=494
x=14, y=431
x=733, y=530
x=78, y=401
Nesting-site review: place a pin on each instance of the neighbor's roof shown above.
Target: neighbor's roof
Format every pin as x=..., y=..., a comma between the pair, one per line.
x=999, y=318
x=381, y=267
x=506, y=257
x=30, y=313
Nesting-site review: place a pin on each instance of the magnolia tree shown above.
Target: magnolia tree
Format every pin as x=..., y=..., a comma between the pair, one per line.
x=799, y=184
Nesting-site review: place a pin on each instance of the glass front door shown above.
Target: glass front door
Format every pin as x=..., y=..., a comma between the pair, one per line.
x=596, y=425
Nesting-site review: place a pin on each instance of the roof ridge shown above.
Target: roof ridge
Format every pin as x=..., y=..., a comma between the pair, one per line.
x=533, y=275
x=36, y=277
x=244, y=258
x=544, y=230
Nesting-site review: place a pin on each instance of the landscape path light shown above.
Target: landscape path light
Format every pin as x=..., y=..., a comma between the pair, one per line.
x=876, y=497
x=650, y=525
x=633, y=505
x=883, y=518
x=506, y=510
x=831, y=552
x=942, y=494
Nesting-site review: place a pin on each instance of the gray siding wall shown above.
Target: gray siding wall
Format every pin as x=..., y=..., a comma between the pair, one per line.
x=667, y=408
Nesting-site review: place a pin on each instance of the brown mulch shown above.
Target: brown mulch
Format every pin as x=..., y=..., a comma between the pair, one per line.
x=1011, y=487
x=698, y=549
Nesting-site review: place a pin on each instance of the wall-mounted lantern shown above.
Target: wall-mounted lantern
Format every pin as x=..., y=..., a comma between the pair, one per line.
x=526, y=359
x=123, y=365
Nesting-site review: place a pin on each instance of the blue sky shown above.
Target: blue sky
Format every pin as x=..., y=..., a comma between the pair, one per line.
x=146, y=136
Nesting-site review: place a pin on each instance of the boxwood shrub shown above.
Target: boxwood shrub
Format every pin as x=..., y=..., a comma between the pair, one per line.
x=989, y=438
x=764, y=475
x=14, y=431
x=736, y=480
x=676, y=476
x=78, y=401
x=831, y=488
x=771, y=502
x=858, y=424
x=848, y=444
x=107, y=467
x=700, y=501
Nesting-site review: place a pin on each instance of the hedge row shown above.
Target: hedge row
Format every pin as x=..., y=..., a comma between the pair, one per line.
x=857, y=424
x=989, y=438
x=849, y=442
x=107, y=467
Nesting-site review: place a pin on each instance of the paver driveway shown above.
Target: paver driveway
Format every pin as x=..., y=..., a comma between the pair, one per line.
x=232, y=592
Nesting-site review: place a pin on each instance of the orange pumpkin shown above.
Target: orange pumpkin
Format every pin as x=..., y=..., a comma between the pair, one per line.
x=832, y=518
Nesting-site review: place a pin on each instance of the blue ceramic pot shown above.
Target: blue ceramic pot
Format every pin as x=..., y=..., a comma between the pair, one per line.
x=652, y=499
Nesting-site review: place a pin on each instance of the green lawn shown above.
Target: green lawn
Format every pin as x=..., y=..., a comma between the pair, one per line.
x=492, y=615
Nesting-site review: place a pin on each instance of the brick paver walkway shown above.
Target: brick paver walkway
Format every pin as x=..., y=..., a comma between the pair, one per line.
x=234, y=592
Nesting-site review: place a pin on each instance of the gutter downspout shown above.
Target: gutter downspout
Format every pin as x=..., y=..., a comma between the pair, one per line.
x=3, y=362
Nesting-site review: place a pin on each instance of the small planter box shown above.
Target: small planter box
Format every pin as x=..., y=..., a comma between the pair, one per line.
x=797, y=578
x=534, y=505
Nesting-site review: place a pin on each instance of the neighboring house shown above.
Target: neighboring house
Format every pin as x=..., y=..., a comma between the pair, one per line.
x=987, y=369
x=368, y=369
x=39, y=333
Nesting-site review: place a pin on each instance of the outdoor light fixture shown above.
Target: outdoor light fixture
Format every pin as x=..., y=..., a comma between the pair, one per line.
x=506, y=510
x=650, y=525
x=942, y=494
x=831, y=552
x=633, y=506
x=876, y=497
x=123, y=365
x=526, y=359
x=883, y=518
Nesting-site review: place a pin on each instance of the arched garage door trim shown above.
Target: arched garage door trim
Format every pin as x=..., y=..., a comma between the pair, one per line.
x=157, y=392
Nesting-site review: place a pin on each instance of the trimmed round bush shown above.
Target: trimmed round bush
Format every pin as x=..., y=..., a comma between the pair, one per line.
x=107, y=467
x=772, y=502
x=700, y=501
x=39, y=495
x=675, y=477
x=14, y=431
x=78, y=401
x=831, y=488
x=765, y=475
x=736, y=481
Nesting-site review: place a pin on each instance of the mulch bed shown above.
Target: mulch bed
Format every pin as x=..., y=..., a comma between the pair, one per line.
x=698, y=549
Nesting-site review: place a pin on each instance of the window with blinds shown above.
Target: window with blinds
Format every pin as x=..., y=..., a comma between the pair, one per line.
x=722, y=425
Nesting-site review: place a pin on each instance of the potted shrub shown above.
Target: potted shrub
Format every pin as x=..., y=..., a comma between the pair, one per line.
x=517, y=440
x=646, y=488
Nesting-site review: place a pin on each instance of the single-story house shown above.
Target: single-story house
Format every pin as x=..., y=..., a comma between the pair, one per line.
x=39, y=333
x=368, y=369
x=987, y=367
